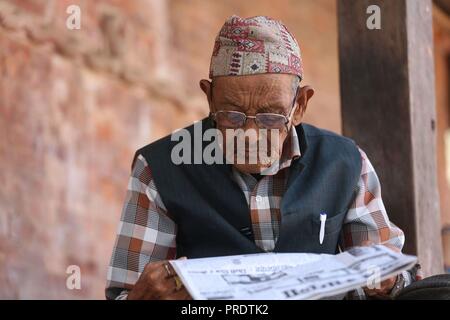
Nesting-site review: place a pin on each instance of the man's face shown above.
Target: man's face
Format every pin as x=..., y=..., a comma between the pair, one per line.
x=252, y=95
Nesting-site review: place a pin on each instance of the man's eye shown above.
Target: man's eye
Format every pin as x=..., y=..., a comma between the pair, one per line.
x=271, y=119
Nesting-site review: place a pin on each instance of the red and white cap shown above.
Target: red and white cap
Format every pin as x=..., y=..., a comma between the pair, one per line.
x=246, y=46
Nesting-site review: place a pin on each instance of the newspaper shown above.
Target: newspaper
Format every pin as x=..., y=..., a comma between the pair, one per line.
x=287, y=276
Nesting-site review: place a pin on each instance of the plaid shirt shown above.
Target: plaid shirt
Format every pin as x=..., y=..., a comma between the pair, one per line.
x=147, y=232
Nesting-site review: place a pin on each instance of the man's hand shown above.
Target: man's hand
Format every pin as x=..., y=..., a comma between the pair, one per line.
x=386, y=285
x=157, y=282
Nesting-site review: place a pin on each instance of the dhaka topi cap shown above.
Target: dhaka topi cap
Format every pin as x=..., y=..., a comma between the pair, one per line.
x=246, y=46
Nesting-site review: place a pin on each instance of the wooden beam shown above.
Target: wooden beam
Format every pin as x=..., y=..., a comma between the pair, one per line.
x=388, y=107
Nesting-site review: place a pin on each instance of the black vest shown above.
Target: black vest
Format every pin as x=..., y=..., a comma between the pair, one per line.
x=213, y=216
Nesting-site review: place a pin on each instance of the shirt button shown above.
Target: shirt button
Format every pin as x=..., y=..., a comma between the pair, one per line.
x=258, y=198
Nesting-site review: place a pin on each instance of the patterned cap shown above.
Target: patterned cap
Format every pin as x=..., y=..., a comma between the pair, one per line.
x=255, y=45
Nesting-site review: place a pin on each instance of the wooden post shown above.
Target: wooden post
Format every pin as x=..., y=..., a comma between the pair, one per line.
x=388, y=108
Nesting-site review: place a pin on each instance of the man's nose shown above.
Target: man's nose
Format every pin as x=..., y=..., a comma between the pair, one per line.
x=252, y=132
x=250, y=124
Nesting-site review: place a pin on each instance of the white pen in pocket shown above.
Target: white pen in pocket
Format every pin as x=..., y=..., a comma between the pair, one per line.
x=323, y=219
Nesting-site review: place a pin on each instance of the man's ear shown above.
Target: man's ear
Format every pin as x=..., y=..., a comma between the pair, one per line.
x=305, y=93
x=206, y=87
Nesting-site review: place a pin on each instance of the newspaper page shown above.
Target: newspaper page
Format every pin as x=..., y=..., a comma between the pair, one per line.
x=288, y=276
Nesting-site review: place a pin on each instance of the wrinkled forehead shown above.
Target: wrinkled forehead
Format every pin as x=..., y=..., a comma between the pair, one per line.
x=263, y=86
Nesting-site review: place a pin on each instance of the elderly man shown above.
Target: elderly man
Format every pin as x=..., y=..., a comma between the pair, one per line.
x=275, y=203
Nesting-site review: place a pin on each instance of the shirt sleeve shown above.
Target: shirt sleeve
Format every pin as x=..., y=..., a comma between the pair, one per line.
x=367, y=218
x=146, y=232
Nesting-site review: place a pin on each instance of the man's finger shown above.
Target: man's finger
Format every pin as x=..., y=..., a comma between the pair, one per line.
x=161, y=269
x=153, y=266
x=167, y=288
x=159, y=280
x=164, y=285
